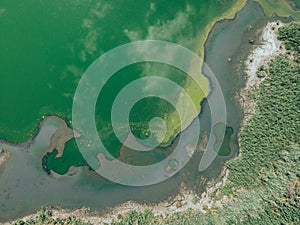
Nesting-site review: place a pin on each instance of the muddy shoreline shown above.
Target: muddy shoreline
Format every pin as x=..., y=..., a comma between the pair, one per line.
x=268, y=48
x=180, y=203
x=56, y=140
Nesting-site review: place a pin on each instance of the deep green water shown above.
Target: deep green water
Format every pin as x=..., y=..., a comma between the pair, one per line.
x=25, y=187
x=47, y=45
x=61, y=164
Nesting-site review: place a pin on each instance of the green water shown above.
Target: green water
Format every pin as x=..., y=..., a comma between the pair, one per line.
x=230, y=81
x=225, y=149
x=25, y=187
x=61, y=164
x=47, y=45
x=143, y=111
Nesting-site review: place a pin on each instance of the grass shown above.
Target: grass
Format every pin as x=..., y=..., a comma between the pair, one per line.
x=280, y=7
x=45, y=217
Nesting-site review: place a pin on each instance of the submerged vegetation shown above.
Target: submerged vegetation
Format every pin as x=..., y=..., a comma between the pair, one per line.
x=264, y=182
x=139, y=122
x=280, y=8
x=62, y=164
x=58, y=62
x=265, y=179
x=224, y=140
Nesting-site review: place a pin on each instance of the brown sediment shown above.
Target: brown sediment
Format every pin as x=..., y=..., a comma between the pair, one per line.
x=263, y=53
x=132, y=141
x=179, y=203
x=57, y=139
x=4, y=156
x=71, y=172
x=60, y=137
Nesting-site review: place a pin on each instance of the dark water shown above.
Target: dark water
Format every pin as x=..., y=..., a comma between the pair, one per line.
x=25, y=187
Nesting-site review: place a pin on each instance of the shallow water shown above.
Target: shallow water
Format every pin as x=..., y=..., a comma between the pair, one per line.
x=46, y=46
x=25, y=187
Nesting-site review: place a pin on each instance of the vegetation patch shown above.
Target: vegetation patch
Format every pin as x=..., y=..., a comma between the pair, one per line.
x=264, y=180
x=279, y=7
x=45, y=218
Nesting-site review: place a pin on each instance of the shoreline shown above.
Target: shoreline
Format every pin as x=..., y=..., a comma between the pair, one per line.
x=185, y=197
x=261, y=54
x=57, y=139
x=182, y=202
x=268, y=48
x=230, y=14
